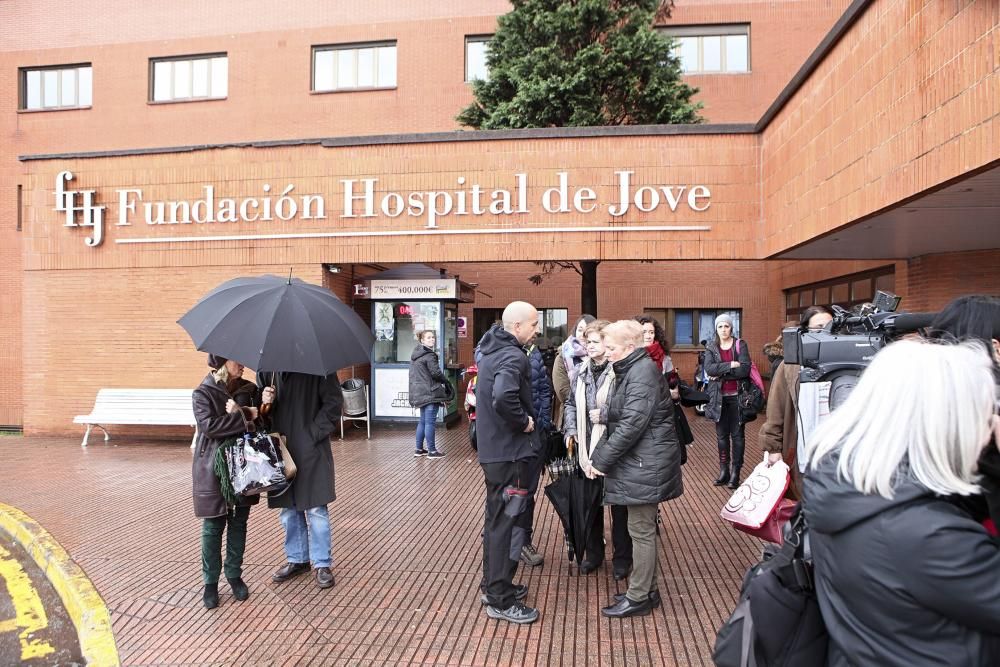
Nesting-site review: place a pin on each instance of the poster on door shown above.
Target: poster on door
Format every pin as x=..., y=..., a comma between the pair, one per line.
x=392, y=393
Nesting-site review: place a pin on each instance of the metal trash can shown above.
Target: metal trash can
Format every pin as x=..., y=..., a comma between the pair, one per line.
x=355, y=402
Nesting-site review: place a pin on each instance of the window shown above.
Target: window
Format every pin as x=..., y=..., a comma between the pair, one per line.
x=711, y=49
x=845, y=291
x=62, y=87
x=687, y=327
x=553, y=327
x=189, y=78
x=476, y=50
x=354, y=67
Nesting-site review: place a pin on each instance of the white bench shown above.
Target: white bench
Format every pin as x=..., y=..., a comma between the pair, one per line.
x=141, y=407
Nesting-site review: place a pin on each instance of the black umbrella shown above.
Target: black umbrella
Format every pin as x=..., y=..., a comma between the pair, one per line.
x=577, y=500
x=270, y=323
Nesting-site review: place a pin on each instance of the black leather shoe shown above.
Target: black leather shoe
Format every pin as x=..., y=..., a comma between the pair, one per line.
x=210, y=598
x=626, y=608
x=520, y=593
x=723, y=476
x=289, y=570
x=240, y=590
x=621, y=574
x=734, y=479
x=586, y=567
x=324, y=577
x=654, y=598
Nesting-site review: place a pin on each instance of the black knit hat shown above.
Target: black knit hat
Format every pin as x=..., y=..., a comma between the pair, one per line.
x=215, y=361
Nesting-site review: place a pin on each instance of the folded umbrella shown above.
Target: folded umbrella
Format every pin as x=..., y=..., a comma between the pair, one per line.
x=576, y=500
x=269, y=323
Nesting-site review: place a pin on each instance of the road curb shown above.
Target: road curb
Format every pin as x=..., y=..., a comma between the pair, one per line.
x=85, y=606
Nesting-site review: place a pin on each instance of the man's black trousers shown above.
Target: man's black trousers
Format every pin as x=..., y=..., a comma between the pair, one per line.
x=500, y=548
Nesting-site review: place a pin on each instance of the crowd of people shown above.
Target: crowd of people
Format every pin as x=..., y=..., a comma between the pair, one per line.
x=900, y=485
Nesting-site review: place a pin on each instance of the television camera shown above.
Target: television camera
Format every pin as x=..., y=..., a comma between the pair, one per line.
x=840, y=352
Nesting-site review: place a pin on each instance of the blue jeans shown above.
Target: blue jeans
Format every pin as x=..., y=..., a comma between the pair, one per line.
x=425, y=427
x=302, y=545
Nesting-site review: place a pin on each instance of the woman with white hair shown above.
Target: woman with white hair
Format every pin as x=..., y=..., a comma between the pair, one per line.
x=640, y=459
x=904, y=577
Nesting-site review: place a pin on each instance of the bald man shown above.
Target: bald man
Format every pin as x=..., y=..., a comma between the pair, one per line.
x=507, y=444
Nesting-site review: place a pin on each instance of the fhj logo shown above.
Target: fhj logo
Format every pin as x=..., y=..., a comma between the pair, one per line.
x=66, y=201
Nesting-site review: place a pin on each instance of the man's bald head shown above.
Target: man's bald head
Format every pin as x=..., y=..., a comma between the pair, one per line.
x=521, y=319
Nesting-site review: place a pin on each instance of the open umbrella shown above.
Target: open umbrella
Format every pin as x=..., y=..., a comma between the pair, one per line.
x=577, y=500
x=270, y=323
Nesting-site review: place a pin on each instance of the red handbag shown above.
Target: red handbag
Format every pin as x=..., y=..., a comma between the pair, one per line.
x=771, y=529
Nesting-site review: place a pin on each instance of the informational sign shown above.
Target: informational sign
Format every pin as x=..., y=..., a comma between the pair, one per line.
x=463, y=327
x=392, y=393
x=443, y=288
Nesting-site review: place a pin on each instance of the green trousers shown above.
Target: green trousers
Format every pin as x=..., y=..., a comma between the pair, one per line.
x=235, y=525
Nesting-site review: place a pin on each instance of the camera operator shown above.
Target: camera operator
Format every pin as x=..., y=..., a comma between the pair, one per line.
x=779, y=433
x=978, y=318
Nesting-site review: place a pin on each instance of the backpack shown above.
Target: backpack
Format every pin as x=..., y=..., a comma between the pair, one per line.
x=751, y=394
x=777, y=622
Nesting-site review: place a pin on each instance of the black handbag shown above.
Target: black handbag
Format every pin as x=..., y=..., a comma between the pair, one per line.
x=751, y=400
x=777, y=621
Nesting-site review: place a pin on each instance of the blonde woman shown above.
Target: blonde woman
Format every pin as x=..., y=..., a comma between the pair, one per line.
x=641, y=458
x=903, y=576
x=584, y=426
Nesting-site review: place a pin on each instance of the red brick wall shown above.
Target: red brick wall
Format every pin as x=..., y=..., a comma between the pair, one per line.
x=934, y=280
x=907, y=100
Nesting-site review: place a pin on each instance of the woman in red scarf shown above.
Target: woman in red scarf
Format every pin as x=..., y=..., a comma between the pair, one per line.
x=656, y=343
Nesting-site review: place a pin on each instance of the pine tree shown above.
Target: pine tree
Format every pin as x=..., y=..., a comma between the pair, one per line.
x=562, y=63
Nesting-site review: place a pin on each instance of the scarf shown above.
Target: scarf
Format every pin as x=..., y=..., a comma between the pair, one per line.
x=585, y=446
x=570, y=351
x=662, y=359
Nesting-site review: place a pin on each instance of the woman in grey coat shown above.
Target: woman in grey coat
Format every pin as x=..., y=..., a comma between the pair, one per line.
x=225, y=406
x=641, y=458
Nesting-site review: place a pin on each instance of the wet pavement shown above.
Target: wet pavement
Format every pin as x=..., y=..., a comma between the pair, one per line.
x=35, y=628
x=407, y=559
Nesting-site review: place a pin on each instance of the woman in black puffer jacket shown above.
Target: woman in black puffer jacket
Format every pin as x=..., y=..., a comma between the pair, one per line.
x=427, y=391
x=225, y=405
x=640, y=459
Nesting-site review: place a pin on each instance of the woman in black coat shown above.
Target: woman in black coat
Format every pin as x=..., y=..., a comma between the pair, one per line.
x=727, y=362
x=903, y=576
x=427, y=391
x=640, y=459
x=225, y=405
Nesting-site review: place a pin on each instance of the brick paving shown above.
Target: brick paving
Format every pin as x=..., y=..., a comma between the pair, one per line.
x=407, y=560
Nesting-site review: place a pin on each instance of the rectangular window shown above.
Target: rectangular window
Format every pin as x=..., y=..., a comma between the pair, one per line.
x=844, y=291
x=476, y=50
x=687, y=327
x=188, y=78
x=62, y=87
x=552, y=330
x=711, y=49
x=354, y=67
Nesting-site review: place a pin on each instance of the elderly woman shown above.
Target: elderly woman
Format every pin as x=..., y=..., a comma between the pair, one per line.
x=903, y=576
x=641, y=458
x=585, y=423
x=225, y=405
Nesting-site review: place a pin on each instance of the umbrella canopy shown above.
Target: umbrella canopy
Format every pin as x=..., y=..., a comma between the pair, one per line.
x=269, y=323
x=577, y=500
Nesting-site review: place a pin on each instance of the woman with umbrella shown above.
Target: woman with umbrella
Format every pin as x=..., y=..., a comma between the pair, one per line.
x=640, y=459
x=225, y=405
x=584, y=426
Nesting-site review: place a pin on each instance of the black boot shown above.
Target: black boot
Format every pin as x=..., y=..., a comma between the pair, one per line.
x=734, y=479
x=240, y=590
x=211, y=596
x=723, y=475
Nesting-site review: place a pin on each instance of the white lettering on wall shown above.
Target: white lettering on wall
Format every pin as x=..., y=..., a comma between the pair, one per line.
x=361, y=198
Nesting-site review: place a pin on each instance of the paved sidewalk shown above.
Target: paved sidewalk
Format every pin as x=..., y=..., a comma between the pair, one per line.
x=406, y=558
